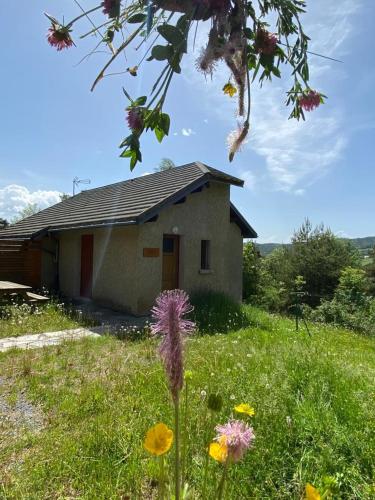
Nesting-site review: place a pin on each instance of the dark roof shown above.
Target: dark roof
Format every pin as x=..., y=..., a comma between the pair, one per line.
x=128, y=202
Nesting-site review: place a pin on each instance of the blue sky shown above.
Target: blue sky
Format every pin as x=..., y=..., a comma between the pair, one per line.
x=54, y=128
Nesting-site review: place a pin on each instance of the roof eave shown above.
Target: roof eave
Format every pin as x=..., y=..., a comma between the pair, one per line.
x=246, y=230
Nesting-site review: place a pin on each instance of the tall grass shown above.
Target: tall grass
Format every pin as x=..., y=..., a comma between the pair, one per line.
x=215, y=312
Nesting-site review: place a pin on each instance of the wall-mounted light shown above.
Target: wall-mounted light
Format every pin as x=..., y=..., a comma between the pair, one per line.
x=175, y=230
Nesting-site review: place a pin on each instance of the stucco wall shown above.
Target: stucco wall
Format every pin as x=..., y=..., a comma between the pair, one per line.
x=204, y=215
x=114, y=266
x=123, y=278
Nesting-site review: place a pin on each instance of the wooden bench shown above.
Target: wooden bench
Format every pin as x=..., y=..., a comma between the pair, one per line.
x=33, y=297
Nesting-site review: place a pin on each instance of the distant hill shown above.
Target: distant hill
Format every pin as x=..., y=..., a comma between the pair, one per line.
x=363, y=244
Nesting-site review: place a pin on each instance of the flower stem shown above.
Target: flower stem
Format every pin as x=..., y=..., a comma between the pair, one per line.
x=220, y=492
x=207, y=456
x=184, y=433
x=177, y=478
x=161, y=479
x=85, y=13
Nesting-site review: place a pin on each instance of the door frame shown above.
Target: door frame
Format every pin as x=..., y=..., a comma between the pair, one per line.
x=176, y=238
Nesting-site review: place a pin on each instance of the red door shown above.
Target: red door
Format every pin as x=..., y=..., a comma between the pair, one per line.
x=87, y=247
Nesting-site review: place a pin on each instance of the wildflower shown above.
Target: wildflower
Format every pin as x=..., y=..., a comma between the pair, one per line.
x=229, y=89
x=206, y=62
x=236, y=139
x=245, y=408
x=232, y=397
x=311, y=492
x=59, y=36
x=203, y=395
x=239, y=437
x=111, y=8
x=310, y=100
x=219, y=450
x=289, y=421
x=265, y=42
x=158, y=439
x=169, y=310
x=134, y=119
x=133, y=70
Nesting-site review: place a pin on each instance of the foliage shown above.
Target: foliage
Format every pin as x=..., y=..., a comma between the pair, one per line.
x=165, y=164
x=255, y=39
x=216, y=312
x=351, y=306
x=22, y=318
x=251, y=271
x=64, y=196
x=3, y=223
x=370, y=271
x=312, y=399
x=316, y=255
x=27, y=211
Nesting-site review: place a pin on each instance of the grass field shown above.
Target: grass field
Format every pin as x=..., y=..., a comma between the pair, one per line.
x=91, y=402
x=17, y=320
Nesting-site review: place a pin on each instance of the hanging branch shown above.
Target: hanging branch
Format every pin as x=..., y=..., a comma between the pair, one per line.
x=240, y=36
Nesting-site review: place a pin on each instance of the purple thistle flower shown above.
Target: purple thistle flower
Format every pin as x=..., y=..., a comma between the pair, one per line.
x=170, y=307
x=134, y=119
x=238, y=437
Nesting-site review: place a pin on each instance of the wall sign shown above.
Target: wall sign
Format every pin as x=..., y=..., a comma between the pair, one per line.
x=151, y=252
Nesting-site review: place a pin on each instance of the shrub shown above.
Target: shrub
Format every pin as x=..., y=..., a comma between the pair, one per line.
x=351, y=306
x=215, y=312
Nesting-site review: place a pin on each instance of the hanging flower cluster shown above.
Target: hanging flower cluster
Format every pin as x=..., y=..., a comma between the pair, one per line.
x=58, y=36
x=240, y=37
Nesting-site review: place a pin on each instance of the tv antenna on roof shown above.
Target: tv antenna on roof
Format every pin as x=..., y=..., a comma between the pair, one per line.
x=77, y=181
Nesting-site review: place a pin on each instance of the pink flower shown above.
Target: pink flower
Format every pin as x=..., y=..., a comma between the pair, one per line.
x=265, y=42
x=169, y=310
x=238, y=437
x=134, y=119
x=310, y=101
x=59, y=36
x=111, y=7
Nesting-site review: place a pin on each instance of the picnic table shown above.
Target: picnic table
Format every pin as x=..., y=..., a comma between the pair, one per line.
x=10, y=289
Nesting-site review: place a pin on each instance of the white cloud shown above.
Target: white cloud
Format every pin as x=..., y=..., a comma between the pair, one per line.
x=14, y=198
x=187, y=132
x=296, y=154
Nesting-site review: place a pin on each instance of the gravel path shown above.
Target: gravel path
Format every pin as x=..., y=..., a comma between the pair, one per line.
x=49, y=338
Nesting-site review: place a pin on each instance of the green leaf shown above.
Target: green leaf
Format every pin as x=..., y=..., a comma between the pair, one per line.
x=137, y=18
x=164, y=123
x=141, y=101
x=161, y=52
x=159, y=134
x=172, y=34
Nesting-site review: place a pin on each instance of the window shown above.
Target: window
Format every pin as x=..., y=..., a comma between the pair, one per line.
x=168, y=245
x=205, y=254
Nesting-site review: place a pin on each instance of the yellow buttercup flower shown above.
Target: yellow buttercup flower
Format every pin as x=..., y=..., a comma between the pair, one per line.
x=245, y=408
x=219, y=450
x=158, y=439
x=311, y=492
x=229, y=89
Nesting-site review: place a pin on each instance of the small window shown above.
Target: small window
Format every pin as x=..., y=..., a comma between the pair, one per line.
x=205, y=255
x=168, y=245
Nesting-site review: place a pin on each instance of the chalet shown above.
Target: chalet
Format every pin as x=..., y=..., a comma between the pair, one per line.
x=121, y=244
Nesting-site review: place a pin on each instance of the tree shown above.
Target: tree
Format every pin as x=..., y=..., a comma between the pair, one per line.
x=256, y=39
x=370, y=270
x=165, y=164
x=64, y=196
x=29, y=209
x=3, y=223
x=251, y=271
x=319, y=256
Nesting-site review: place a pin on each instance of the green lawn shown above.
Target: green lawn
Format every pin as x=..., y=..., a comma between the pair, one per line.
x=16, y=320
x=314, y=402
